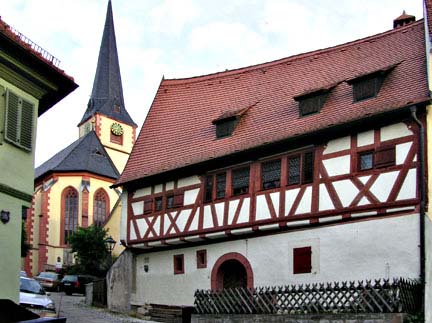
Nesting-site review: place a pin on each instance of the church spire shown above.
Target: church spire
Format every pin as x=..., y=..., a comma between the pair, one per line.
x=107, y=94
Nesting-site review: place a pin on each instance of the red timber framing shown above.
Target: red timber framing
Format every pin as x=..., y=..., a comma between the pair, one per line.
x=204, y=216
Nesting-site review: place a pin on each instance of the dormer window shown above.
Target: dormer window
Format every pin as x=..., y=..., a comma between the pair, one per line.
x=368, y=85
x=225, y=128
x=312, y=101
x=227, y=122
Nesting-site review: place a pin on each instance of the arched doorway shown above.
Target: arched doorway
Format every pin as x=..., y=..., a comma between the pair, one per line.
x=232, y=270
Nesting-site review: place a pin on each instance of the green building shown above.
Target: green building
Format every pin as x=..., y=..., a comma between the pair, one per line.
x=30, y=84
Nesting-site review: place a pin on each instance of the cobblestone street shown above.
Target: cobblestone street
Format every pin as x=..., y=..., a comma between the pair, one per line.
x=76, y=311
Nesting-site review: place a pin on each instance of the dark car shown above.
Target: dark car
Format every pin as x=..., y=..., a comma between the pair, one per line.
x=75, y=283
x=49, y=280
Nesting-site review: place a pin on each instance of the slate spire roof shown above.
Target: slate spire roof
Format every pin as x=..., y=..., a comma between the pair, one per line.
x=107, y=94
x=84, y=155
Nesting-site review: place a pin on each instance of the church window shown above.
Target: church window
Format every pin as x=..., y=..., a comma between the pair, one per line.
x=100, y=207
x=19, y=119
x=70, y=212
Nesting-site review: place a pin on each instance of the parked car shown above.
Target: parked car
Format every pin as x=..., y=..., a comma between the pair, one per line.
x=23, y=273
x=33, y=296
x=49, y=280
x=75, y=283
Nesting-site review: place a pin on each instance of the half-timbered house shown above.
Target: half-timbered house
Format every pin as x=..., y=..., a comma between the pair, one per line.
x=305, y=169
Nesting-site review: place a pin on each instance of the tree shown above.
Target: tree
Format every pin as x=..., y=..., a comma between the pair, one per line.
x=92, y=256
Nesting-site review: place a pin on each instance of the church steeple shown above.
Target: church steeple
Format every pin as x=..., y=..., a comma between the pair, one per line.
x=107, y=94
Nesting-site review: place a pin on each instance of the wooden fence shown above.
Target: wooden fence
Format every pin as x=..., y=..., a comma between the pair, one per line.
x=378, y=296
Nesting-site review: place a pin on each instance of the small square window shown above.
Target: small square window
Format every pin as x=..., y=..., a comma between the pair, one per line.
x=302, y=260
x=201, y=258
x=366, y=160
x=178, y=264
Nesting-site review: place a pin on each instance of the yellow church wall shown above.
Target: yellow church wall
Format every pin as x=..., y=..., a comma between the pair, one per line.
x=54, y=248
x=118, y=153
x=113, y=227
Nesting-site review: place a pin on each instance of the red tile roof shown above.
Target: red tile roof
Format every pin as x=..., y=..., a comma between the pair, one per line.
x=178, y=130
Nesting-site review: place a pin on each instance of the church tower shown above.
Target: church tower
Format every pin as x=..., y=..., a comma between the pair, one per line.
x=106, y=113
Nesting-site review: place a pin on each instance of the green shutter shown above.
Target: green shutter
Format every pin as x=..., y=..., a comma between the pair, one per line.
x=27, y=112
x=19, y=121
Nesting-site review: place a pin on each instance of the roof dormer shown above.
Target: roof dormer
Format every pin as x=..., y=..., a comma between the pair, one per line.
x=227, y=122
x=366, y=86
x=312, y=101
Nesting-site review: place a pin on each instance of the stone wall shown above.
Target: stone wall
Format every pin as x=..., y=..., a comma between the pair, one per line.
x=315, y=318
x=119, y=280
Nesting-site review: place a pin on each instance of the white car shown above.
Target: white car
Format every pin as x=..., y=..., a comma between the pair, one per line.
x=34, y=297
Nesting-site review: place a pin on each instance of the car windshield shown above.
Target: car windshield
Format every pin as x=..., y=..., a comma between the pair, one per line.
x=48, y=275
x=31, y=286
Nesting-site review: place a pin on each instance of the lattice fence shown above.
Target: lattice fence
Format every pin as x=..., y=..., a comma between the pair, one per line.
x=378, y=296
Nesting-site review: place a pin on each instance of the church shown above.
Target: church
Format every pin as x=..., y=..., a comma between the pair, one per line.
x=72, y=189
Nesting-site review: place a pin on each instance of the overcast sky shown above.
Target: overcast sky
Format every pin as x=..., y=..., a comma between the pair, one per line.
x=181, y=38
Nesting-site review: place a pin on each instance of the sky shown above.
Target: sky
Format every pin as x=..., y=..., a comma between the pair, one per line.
x=181, y=38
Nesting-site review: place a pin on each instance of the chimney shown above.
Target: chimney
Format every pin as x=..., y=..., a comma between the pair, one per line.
x=403, y=20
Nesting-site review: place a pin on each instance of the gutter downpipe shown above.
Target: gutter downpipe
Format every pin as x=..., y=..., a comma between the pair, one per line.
x=421, y=153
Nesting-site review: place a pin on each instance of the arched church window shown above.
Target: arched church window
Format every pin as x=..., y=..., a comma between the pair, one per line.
x=100, y=207
x=70, y=212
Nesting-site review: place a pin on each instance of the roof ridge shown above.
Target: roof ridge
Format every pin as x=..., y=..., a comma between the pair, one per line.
x=241, y=70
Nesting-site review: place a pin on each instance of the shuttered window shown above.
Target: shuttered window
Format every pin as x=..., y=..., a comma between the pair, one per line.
x=367, y=87
x=208, y=195
x=312, y=104
x=19, y=121
x=158, y=203
x=385, y=156
x=220, y=185
x=148, y=204
x=302, y=260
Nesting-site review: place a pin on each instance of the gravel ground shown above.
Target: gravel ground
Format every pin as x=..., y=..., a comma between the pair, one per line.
x=76, y=311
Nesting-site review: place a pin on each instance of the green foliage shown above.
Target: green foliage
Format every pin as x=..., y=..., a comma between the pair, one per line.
x=91, y=256
x=25, y=246
x=415, y=318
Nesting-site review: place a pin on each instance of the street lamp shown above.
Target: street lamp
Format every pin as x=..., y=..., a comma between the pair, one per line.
x=110, y=244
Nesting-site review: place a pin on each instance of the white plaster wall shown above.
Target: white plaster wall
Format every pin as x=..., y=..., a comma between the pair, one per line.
x=428, y=291
x=338, y=165
x=338, y=145
x=397, y=130
x=377, y=248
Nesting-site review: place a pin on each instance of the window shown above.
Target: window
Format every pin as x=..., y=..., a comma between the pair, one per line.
x=365, y=160
x=270, y=174
x=148, y=205
x=70, y=212
x=225, y=128
x=116, y=139
x=302, y=260
x=19, y=121
x=201, y=258
x=100, y=207
x=367, y=87
x=383, y=156
x=301, y=168
x=158, y=203
x=240, y=181
x=178, y=264
x=210, y=180
x=311, y=104
x=174, y=200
